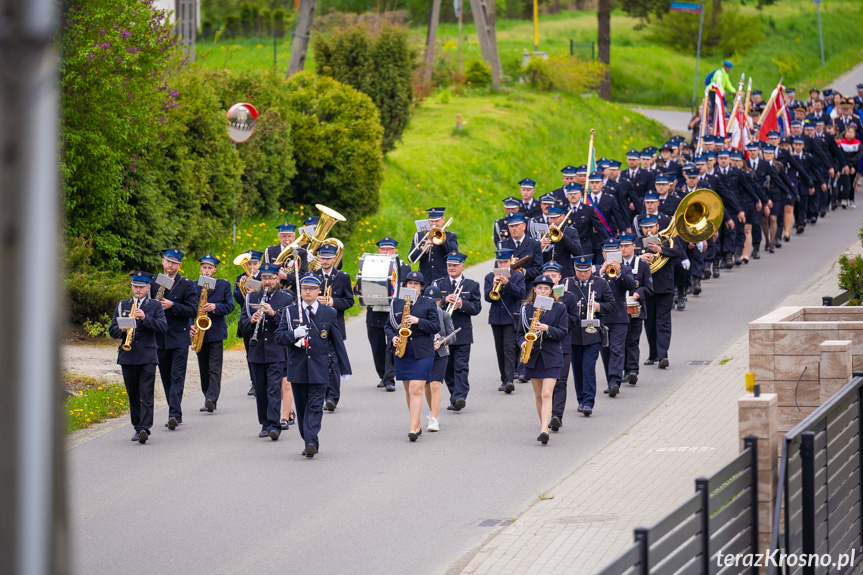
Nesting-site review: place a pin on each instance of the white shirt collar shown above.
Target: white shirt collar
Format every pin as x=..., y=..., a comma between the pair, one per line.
x=314, y=306
x=456, y=280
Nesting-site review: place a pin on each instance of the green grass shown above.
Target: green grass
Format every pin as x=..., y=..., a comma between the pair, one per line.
x=508, y=137
x=93, y=400
x=641, y=72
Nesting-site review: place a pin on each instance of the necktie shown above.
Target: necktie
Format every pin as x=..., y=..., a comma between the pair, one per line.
x=454, y=288
x=310, y=313
x=595, y=200
x=517, y=243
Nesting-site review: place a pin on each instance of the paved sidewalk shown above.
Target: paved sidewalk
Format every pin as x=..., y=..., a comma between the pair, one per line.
x=847, y=82
x=587, y=520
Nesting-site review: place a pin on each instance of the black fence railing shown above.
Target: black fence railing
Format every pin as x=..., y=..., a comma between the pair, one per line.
x=840, y=299
x=820, y=486
x=722, y=517
x=584, y=50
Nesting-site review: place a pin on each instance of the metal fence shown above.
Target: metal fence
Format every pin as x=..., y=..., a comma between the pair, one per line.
x=820, y=485
x=584, y=50
x=722, y=517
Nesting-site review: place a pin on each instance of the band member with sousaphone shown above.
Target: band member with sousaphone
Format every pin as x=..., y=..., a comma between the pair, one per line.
x=413, y=323
x=316, y=352
x=635, y=306
x=137, y=352
x=542, y=326
x=259, y=317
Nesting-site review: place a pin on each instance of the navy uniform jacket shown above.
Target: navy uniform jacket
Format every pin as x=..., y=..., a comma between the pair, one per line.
x=602, y=296
x=664, y=220
x=421, y=340
x=643, y=282
x=621, y=285
x=267, y=350
x=527, y=247
x=143, y=350
x=500, y=231
x=272, y=252
x=571, y=304
x=535, y=209
x=432, y=264
x=668, y=204
x=239, y=297
x=503, y=310
x=380, y=318
x=625, y=195
x=591, y=232
x=559, y=195
x=221, y=296
x=663, y=279
x=343, y=296
x=729, y=199
x=737, y=182
x=471, y=304
x=549, y=344
x=562, y=251
x=325, y=352
x=641, y=181
x=179, y=316
x=610, y=208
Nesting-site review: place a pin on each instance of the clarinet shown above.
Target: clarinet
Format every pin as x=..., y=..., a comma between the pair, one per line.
x=264, y=298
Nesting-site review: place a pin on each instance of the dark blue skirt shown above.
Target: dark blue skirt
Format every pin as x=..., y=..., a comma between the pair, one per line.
x=438, y=370
x=539, y=371
x=409, y=368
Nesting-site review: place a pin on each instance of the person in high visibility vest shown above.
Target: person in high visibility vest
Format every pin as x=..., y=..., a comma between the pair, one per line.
x=722, y=79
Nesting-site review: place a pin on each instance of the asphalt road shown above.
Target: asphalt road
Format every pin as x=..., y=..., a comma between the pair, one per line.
x=213, y=498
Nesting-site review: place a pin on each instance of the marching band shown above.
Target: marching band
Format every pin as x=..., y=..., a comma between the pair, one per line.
x=579, y=273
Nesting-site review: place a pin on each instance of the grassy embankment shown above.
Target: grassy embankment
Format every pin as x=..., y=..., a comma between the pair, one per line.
x=92, y=400
x=507, y=137
x=641, y=71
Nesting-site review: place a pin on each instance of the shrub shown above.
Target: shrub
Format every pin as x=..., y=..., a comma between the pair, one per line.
x=91, y=293
x=478, y=73
x=851, y=277
x=564, y=73
x=380, y=66
x=679, y=31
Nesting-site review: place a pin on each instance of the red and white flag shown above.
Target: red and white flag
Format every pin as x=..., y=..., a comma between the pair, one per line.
x=738, y=130
x=775, y=116
x=718, y=114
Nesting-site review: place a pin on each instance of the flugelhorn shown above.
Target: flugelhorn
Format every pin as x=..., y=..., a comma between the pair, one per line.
x=613, y=269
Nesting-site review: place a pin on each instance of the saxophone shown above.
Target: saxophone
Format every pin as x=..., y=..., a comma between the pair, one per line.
x=130, y=334
x=404, y=330
x=202, y=322
x=530, y=336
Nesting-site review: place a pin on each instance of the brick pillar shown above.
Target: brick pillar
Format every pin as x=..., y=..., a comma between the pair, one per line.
x=759, y=416
x=835, y=367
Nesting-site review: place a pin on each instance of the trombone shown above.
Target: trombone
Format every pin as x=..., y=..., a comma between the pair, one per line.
x=555, y=233
x=437, y=237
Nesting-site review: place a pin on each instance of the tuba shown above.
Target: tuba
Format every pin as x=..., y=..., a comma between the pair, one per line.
x=313, y=243
x=698, y=217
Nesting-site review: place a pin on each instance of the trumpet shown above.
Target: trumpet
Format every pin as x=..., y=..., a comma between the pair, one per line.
x=404, y=330
x=451, y=307
x=494, y=294
x=130, y=334
x=530, y=336
x=613, y=270
x=436, y=235
x=591, y=298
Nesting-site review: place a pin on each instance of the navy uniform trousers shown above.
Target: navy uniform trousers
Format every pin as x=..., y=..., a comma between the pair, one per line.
x=172, y=370
x=584, y=371
x=210, y=365
x=658, y=324
x=457, y=372
x=267, y=379
x=632, y=356
x=309, y=398
x=613, y=355
x=140, y=381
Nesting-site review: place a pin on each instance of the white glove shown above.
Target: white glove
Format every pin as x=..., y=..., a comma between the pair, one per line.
x=685, y=264
x=345, y=378
x=300, y=332
x=701, y=246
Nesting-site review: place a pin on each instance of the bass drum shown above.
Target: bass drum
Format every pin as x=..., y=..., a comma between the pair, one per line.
x=378, y=280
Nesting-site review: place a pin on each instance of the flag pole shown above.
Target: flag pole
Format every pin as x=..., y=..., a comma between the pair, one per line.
x=770, y=101
x=591, y=161
x=748, y=103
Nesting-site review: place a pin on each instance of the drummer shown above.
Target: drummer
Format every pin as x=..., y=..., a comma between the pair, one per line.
x=377, y=316
x=635, y=306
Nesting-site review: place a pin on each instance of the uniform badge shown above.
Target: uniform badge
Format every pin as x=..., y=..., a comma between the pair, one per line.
x=323, y=334
x=637, y=283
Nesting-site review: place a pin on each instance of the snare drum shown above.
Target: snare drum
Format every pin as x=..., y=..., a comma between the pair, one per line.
x=633, y=308
x=378, y=280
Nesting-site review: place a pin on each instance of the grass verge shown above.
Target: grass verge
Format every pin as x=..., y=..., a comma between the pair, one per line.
x=92, y=400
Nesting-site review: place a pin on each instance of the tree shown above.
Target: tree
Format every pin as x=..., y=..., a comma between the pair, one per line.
x=603, y=45
x=431, y=38
x=300, y=41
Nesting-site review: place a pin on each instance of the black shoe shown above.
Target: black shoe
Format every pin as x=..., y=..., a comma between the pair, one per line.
x=329, y=405
x=632, y=377
x=587, y=411
x=413, y=436
x=135, y=437
x=380, y=385
x=663, y=363
x=745, y=261
x=823, y=213
x=311, y=450
x=263, y=433
x=696, y=286
x=716, y=269
x=284, y=424
x=729, y=261
x=143, y=436
x=554, y=424
x=777, y=245
x=786, y=238
x=605, y=391
x=291, y=418
x=707, y=273
x=681, y=303
x=520, y=379
x=813, y=220
x=172, y=423
x=580, y=408
x=210, y=405
x=801, y=229
x=737, y=260
x=543, y=438
x=303, y=452
x=770, y=250
x=251, y=390
x=451, y=408
x=509, y=388
x=649, y=361
x=613, y=391
x=502, y=387
x=203, y=409
x=459, y=404
x=391, y=387
x=274, y=435
x=756, y=254
x=689, y=290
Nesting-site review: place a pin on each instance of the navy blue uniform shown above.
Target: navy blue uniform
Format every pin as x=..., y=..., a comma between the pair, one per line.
x=639, y=180
x=562, y=251
x=240, y=298
x=272, y=253
x=526, y=246
x=500, y=317
x=266, y=356
x=659, y=304
x=420, y=344
x=644, y=289
x=139, y=363
x=212, y=350
x=591, y=232
x=310, y=367
x=174, y=343
x=547, y=349
x=585, y=346
x=458, y=368
x=617, y=323
x=532, y=211
x=343, y=299
x=432, y=265
x=558, y=399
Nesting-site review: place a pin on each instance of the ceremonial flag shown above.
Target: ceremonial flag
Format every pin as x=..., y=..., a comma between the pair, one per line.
x=591, y=167
x=738, y=131
x=591, y=155
x=775, y=115
x=718, y=113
